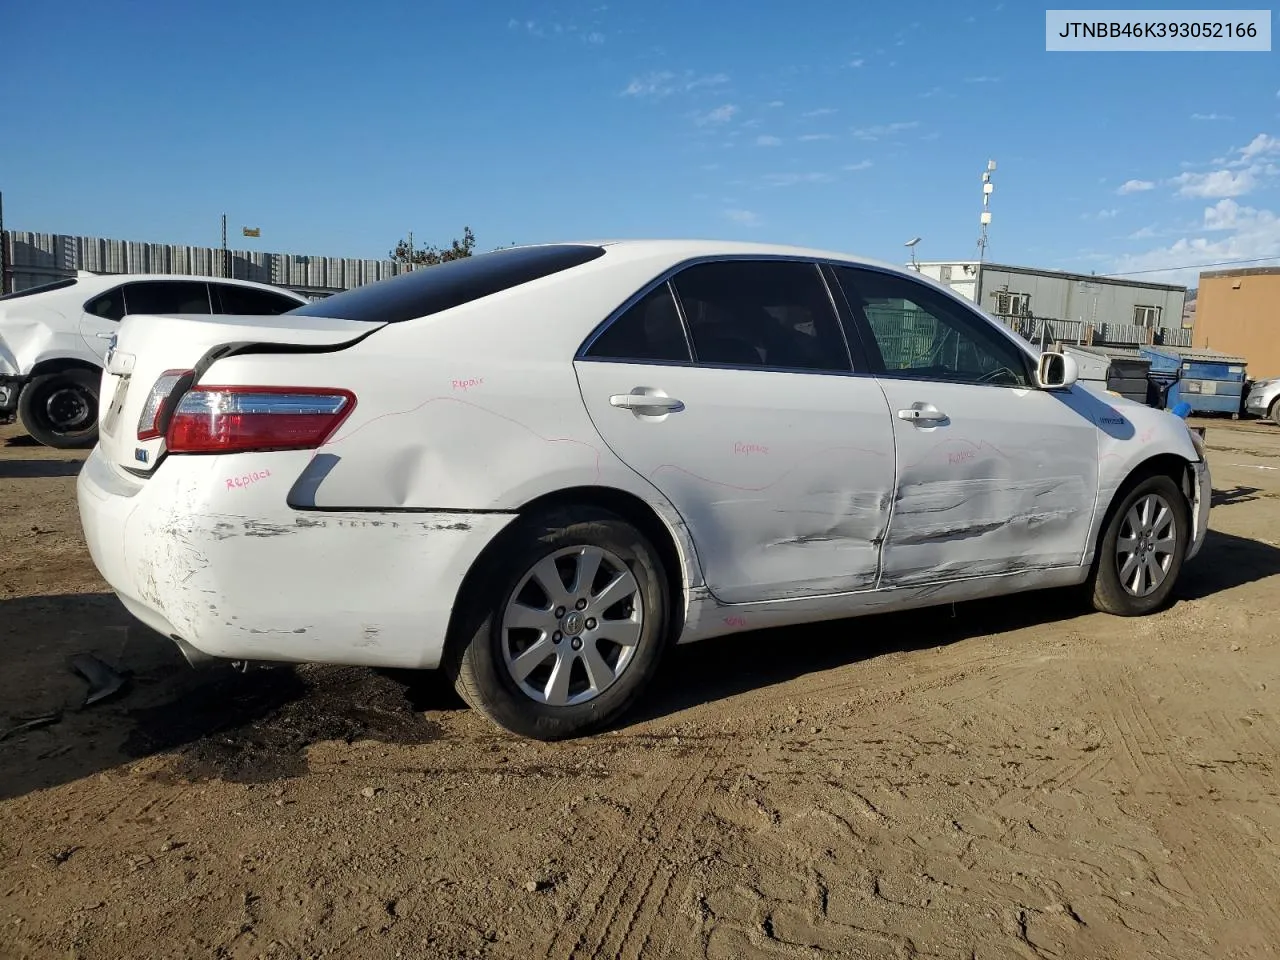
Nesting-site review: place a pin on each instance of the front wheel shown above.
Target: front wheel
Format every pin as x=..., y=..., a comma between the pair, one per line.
x=61, y=409
x=1142, y=549
x=1273, y=413
x=563, y=626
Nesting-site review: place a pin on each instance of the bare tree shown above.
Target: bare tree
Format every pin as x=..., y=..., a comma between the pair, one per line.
x=428, y=256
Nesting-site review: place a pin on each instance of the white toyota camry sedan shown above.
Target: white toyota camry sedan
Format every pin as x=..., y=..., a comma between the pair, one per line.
x=539, y=468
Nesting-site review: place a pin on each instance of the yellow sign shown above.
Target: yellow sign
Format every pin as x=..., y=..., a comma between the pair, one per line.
x=252, y=231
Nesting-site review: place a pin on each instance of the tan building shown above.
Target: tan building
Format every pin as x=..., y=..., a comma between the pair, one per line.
x=1238, y=312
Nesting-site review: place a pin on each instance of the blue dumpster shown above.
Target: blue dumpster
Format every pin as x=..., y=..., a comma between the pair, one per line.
x=1209, y=382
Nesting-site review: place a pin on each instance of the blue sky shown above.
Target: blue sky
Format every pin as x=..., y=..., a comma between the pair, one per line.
x=337, y=128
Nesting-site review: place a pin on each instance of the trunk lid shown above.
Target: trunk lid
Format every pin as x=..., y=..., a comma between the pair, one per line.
x=147, y=346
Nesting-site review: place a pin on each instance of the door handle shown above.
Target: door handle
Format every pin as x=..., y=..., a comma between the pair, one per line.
x=642, y=402
x=922, y=413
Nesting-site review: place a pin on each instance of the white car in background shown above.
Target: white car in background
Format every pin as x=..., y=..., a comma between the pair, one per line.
x=55, y=339
x=1263, y=399
x=539, y=468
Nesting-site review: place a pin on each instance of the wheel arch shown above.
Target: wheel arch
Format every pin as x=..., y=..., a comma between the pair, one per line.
x=1172, y=465
x=59, y=364
x=677, y=567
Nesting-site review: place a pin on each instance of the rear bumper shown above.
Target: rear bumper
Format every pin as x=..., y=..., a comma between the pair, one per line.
x=10, y=387
x=235, y=573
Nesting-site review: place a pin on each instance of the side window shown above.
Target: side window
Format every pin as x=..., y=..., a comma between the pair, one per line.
x=166, y=296
x=921, y=334
x=250, y=301
x=771, y=313
x=649, y=330
x=109, y=305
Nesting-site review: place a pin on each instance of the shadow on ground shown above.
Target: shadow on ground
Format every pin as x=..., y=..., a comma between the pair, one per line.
x=217, y=721
x=22, y=440
x=38, y=469
x=255, y=726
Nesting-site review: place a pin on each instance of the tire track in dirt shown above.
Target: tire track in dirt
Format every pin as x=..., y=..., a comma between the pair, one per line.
x=1206, y=871
x=618, y=904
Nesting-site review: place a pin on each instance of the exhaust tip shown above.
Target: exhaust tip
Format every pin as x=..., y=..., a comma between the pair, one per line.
x=195, y=658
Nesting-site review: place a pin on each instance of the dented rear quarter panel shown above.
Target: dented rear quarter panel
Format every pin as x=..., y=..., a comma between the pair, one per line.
x=211, y=545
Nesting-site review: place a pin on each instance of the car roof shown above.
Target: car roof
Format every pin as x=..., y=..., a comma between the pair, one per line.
x=683, y=249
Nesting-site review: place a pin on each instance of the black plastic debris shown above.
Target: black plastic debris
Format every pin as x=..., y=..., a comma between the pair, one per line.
x=35, y=723
x=103, y=681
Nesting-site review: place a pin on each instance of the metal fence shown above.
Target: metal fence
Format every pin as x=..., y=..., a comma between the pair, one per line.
x=34, y=258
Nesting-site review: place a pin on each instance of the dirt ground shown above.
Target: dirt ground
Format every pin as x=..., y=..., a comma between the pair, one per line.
x=1011, y=779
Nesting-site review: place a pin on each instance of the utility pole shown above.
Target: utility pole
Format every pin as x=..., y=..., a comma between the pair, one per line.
x=5, y=282
x=409, y=266
x=226, y=257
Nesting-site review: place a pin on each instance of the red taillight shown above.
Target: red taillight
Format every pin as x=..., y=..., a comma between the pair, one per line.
x=150, y=422
x=241, y=419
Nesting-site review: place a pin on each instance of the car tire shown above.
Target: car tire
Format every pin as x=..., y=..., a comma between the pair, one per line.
x=1273, y=412
x=1138, y=521
x=508, y=611
x=61, y=409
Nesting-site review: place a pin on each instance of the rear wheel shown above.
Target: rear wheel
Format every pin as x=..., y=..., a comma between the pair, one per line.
x=564, y=625
x=61, y=409
x=1142, y=549
x=1273, y=413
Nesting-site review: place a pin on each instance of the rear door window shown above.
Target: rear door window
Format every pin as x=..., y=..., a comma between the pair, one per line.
x=649, y=331
x=775, y=314
x=109, y=305
x=166, y=296
x=250, y=301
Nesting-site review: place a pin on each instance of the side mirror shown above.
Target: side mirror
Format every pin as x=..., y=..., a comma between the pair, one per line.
x=1057, y=371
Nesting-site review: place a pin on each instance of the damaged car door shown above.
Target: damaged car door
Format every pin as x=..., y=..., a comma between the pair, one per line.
x=730, y=387
x=995, y=475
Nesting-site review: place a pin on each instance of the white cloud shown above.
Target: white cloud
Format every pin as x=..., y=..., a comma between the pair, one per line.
x=982, y=79
x=711, y=166
x=884, y=130
x=721, y=114
x=595, y=37
x=663, y=83
x=774, y=104
x=1143, y=234
x=1259, y=146
x=1135, y=186
x=744, y=218
x=860, y=165
x=791, y=179
x=859, y=62
x=1216, y=183
x=764, y=140
x=820, y=112
x=1243, y=233
x=1100, y=215
x=1211, y=116
x=816, y=136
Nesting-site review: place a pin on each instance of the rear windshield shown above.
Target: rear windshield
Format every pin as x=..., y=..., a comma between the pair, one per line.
x=43, y=288
x=441, y=287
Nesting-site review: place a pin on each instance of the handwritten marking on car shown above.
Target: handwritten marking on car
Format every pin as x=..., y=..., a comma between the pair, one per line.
x=469, y=384
x=247, y=480
x=736, y=621
x=748, y=449
x=960, y=457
